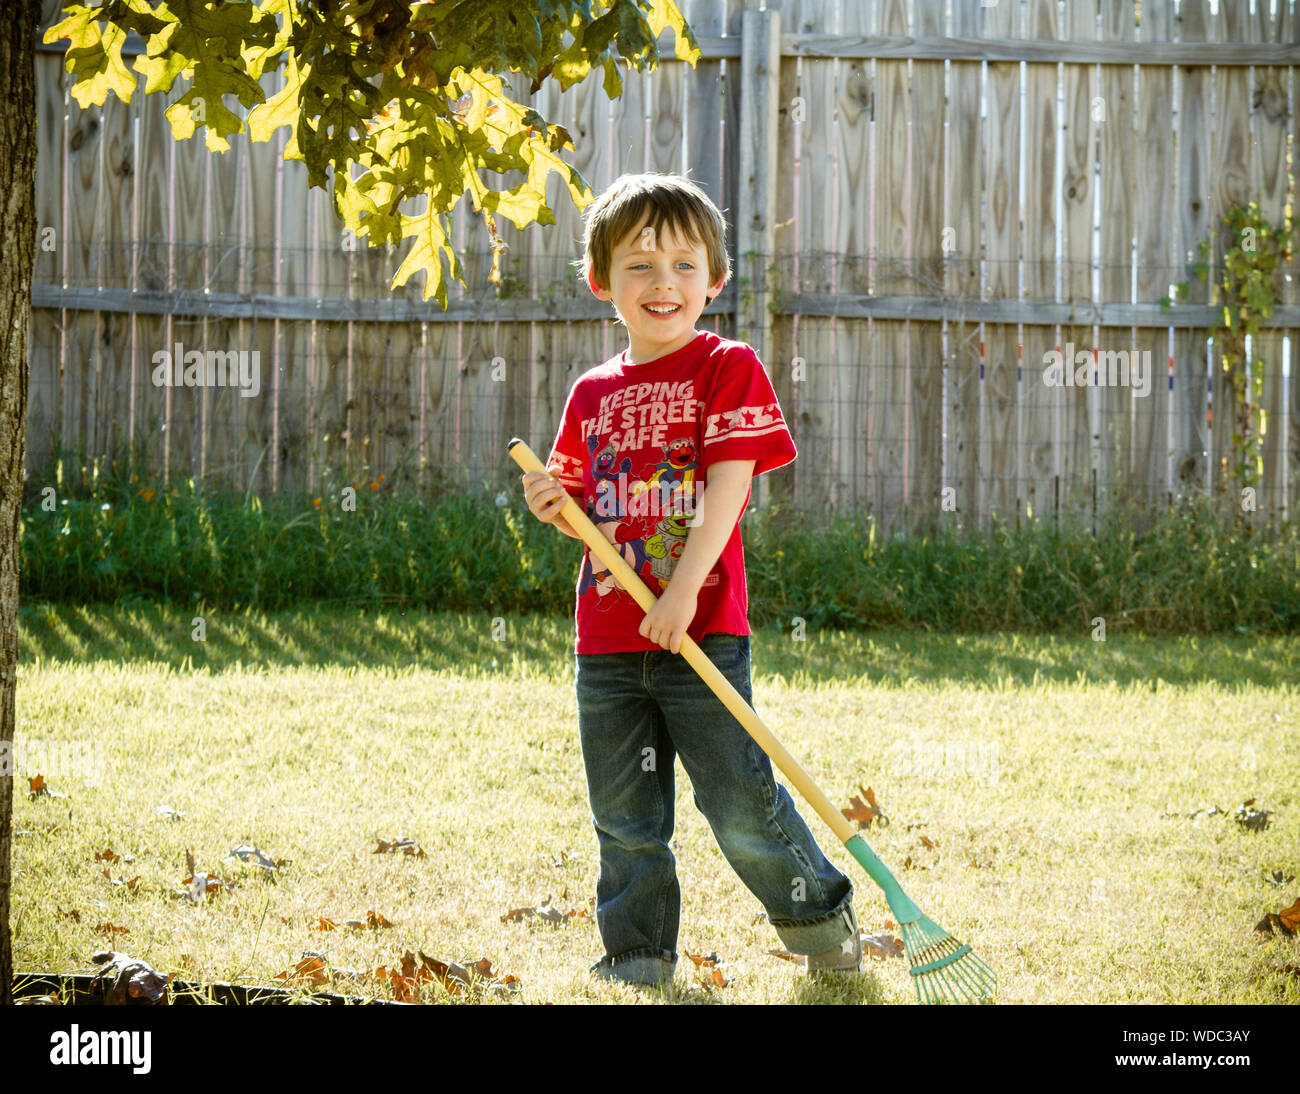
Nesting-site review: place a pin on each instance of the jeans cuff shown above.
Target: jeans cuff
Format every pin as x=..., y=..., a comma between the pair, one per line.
x=645, y=966
x=811, y=936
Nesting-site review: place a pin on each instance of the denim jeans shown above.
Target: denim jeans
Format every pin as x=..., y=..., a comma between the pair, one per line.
x=636, y=713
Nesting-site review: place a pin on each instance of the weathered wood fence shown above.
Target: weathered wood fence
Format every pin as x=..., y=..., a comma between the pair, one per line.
x=926, y=196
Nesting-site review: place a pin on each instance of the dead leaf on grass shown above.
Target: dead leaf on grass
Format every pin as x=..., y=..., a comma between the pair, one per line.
x=123, y=979
x=124, y=882
x=112, y=928
x=881, y=945
x=404, y=844
x=37, y=788
x=864, y=812
x=547, y=912
x=1287, y=921
x=311, y=971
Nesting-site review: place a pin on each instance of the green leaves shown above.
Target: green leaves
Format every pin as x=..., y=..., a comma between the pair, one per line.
x=395, y=103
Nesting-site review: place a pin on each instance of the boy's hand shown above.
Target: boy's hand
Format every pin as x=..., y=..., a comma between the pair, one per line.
x=546, y=497
x=666, y=623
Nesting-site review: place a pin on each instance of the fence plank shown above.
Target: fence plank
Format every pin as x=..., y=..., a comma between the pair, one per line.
x=1230, y=158
x=1117, y=156
x=1074, y=501
x=44, y=408
x=963, y=184
x=924, y=452
x=999, y=435
x=1040, y=403
x=1191, y=378
x=1149, y=482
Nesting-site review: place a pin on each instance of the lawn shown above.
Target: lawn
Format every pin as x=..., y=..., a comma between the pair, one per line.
x=1055, y=779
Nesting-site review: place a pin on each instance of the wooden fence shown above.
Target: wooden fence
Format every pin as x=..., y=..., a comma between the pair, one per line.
x=927, y=197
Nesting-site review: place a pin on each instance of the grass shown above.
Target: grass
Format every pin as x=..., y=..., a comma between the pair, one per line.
x=1043, y=769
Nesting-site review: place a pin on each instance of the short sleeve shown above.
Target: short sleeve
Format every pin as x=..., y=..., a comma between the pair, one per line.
x=742, y=418
x=565, y=460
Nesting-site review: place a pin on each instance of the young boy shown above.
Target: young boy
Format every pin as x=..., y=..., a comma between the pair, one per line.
x=659, y=444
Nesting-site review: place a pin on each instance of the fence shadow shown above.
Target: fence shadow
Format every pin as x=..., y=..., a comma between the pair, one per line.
x=541, y=647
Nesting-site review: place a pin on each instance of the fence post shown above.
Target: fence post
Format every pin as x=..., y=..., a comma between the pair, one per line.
x=760, y=85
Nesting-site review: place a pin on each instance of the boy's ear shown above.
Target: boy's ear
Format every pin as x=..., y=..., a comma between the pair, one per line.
x=595, y=288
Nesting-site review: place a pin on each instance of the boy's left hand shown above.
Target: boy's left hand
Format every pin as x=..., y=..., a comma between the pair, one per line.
x=666, y=623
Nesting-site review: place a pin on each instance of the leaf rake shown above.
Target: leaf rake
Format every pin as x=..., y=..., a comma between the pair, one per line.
x=943, y=968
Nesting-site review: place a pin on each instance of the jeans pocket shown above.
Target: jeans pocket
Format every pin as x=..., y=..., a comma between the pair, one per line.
x=730, y=653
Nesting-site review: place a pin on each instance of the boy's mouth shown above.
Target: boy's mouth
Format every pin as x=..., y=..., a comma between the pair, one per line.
x=663, y=311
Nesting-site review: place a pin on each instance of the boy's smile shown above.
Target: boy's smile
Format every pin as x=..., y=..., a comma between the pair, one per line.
x=659, y=285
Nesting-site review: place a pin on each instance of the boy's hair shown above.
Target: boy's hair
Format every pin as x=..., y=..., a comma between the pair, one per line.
x=666, y=199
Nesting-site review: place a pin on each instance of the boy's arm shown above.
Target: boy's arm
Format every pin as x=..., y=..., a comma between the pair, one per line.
x=667, y=622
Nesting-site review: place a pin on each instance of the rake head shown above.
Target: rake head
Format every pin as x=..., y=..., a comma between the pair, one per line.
x=945, y=970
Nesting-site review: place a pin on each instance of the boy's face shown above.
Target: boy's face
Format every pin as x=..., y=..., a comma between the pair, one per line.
x=660, y=285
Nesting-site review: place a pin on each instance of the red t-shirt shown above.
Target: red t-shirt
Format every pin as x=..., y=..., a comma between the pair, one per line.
x=634, y=449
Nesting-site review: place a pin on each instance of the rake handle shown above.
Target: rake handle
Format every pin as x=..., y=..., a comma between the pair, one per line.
x=601, y=547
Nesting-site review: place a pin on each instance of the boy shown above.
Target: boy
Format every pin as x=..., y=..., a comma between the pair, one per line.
x=660, y=443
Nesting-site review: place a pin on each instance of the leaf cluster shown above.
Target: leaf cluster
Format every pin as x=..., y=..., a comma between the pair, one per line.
x=385, y=101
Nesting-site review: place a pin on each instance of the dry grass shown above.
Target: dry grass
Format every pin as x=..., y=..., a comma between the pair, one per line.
x=1054, y=857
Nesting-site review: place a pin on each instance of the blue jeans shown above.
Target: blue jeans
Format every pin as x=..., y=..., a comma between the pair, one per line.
x=636, y=713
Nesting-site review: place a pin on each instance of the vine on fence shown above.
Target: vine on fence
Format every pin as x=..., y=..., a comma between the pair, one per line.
x=1249, y=284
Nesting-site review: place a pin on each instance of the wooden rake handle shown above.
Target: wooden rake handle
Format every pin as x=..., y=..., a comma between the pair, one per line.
x=719, y=684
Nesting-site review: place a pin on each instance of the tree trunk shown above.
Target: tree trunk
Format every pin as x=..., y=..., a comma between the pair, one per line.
x=18, y=230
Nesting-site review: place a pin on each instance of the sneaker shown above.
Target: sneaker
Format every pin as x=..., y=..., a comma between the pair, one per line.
x=846, y=957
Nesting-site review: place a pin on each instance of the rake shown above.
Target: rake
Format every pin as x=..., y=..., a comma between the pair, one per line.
x=943, y=968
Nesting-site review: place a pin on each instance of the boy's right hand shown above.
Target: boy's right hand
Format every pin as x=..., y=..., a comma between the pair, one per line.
x=545, y=496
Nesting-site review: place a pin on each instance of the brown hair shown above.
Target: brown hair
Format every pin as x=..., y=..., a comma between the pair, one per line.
x=666, y=199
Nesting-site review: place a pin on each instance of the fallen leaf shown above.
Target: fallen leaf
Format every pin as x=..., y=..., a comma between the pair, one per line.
x=106, y=855
x=404, y=844
x=50, y=1000
x=112, y=928
x=864, y=812
x=1275, y=877
x=707, y=960
x=131, y=884
x=928, y=843
x=546, y=911
x=39, y=789
x=254, y=857
x=72, y=914
x=784, y=955
x=881, y=945
x=1256, y=820
x=322, y=924
x=123, y=979
x=1286, y=921
x=312, y=970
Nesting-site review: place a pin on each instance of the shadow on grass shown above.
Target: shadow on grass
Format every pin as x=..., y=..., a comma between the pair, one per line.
x=508, y=645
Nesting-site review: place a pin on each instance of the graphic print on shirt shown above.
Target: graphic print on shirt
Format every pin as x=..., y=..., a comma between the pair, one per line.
x=609, y=517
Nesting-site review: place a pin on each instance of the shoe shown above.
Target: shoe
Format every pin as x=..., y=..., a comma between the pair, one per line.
x=846, y=957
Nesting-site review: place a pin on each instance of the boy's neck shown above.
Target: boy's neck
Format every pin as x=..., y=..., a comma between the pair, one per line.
x=648, y=355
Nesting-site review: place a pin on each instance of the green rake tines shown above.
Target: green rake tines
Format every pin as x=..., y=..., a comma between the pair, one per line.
x=943, y=969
